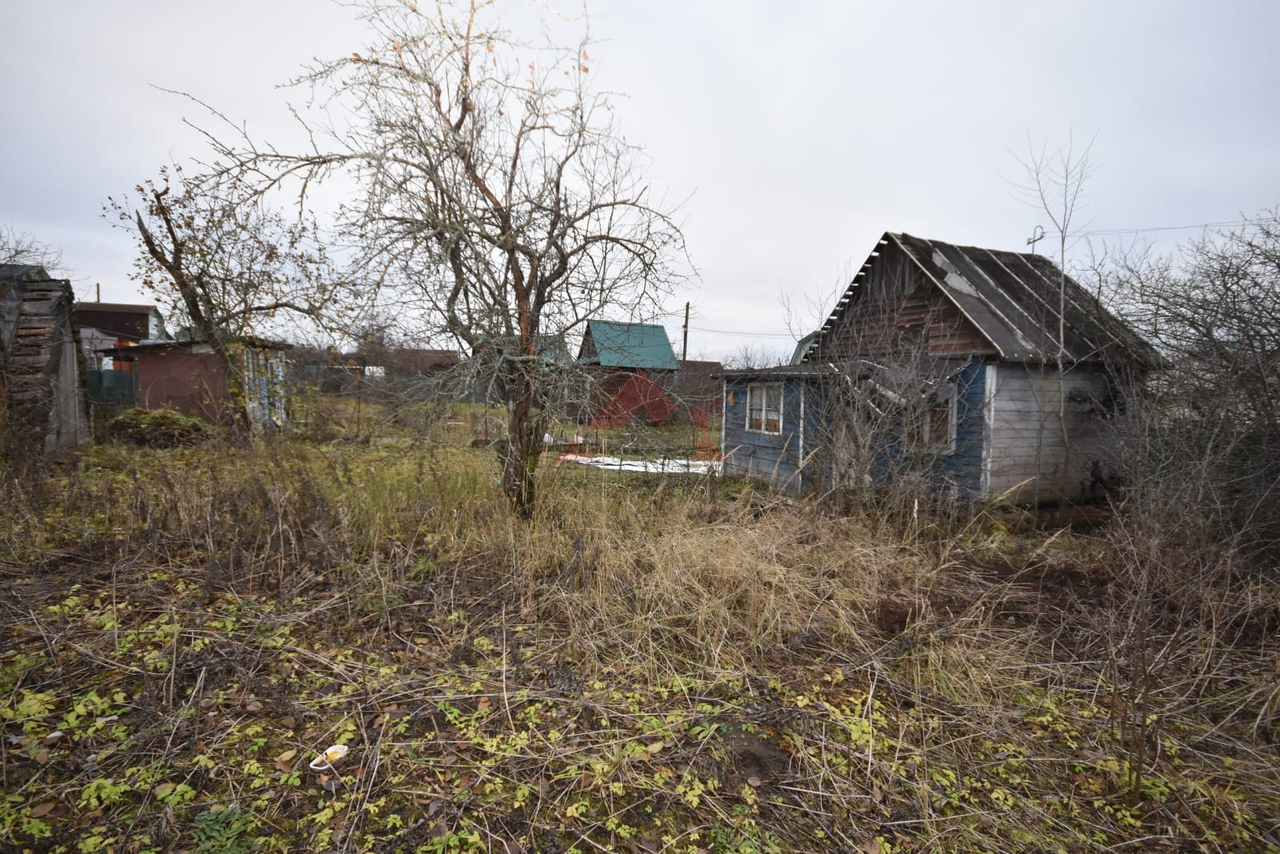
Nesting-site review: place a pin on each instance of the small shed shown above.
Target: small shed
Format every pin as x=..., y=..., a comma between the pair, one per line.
x=637, y=396
x=489, y=371
x=631, y=368
x=42, y=399
x=991, y=374
x=192, y=378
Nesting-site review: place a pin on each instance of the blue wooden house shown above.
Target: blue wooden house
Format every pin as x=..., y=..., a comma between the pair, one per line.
x=983, y=373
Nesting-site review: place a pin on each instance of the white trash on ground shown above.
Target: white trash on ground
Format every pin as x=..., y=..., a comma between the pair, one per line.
x=663, y=466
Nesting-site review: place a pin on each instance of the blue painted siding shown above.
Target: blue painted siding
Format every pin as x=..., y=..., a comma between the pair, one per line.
x=962, y=470
x=959, y=472
x=774, y=458
x=794, y=459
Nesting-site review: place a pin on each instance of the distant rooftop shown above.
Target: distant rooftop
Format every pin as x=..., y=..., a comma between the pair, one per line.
x=627, y=345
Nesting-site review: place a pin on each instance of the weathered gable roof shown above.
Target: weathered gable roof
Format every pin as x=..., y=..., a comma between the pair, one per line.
x=1013, y=300
x=627, y=345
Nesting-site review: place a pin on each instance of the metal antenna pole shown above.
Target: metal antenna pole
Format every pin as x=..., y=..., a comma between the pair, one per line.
x=1036, y=236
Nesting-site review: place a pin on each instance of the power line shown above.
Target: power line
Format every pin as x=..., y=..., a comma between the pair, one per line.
x=1107, y=231
x=741, y=332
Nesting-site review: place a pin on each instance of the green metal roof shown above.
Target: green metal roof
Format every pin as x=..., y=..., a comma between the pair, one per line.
x=627, y=345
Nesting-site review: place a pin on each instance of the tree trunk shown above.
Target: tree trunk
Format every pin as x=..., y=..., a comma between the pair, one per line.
x=524, y=443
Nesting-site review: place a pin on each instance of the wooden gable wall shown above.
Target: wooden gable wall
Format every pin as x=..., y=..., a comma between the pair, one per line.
x=898, y=310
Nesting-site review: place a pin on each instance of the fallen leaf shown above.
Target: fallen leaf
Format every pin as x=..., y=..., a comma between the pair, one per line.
x=656, y=746
x=284, y=762
x=41, y=810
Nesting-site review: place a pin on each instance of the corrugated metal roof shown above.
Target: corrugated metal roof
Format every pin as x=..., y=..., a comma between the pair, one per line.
x=1014, y=300
x=627, y=345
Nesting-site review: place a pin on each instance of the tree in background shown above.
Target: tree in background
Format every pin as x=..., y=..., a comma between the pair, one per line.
x=496, y=194
x=18, y=247
x=223, y=263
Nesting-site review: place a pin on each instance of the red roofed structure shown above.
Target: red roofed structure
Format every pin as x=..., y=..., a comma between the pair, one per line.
x=638, y=394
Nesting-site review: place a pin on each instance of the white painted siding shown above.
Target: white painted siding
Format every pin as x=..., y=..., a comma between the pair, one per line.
x=1027, y=455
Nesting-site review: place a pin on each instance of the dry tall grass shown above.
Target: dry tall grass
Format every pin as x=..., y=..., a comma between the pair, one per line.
x=741, y=672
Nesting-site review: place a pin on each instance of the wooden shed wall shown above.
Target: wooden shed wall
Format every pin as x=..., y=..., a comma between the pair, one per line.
x=69, y=412
x=42, y=392
x=1028, y=455
x=959, y=472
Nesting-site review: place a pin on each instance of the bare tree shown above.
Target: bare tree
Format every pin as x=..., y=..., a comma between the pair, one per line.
x=225, y=263
x=753, y=354
x=495, y=190
x=1214, y=420
x=1197, y=529
x=17, y=247
x=1056, y=185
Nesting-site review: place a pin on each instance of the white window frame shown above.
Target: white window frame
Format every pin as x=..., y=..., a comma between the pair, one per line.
x=759, y=393
x=943, y=396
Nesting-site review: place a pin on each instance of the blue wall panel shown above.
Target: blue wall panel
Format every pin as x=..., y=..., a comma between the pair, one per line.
x=962, y=469
x=771, y=457
x=788, y=460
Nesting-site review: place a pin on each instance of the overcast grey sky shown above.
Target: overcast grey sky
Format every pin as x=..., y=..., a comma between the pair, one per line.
x=798, y=132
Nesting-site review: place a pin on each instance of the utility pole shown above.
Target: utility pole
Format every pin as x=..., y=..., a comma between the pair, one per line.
x=684, y=351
